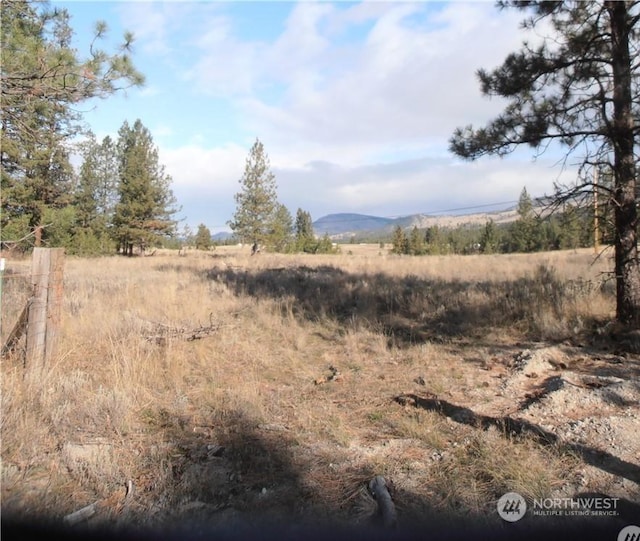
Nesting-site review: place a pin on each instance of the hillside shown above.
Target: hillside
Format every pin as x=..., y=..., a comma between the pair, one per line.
x=346, y=224
x=335, y=224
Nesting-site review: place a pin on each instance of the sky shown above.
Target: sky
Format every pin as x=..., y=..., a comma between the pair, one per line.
x=354, y=102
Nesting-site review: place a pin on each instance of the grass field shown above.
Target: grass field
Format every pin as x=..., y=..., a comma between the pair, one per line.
x=223, y=387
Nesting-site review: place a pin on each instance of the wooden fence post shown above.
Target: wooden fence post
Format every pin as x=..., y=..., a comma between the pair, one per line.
x=46, y=305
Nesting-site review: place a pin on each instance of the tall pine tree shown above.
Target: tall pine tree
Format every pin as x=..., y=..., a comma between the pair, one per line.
x=146, y=204
x=203, y=238
x=489, y=239
x=578, y=88
x=524, y=232
x=96, y=195
x=256, y=202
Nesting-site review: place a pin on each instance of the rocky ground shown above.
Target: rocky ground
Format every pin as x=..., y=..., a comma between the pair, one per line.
x=585, y=401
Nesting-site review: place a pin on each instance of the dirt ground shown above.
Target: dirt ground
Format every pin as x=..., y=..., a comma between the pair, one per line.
x=580, y=400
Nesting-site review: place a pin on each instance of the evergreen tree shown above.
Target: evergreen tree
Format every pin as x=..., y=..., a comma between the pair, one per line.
x=256, y=201
x=489, y=238
x=43, y=81
x=579, y=87
x=187, y=236
x=305, y=237
x=435, y=243
x=146, y=204
x=416, y=242
x=203, y=238
x=325, y=246
x=570, y=228
x=457, y=241
x=281, y=229
x=400, y=241
x=96, y=195
x=525, y=232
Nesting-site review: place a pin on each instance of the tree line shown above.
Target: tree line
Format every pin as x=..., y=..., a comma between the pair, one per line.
x=533, y=230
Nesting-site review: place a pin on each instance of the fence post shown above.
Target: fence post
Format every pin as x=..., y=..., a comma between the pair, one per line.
x=1, y=277
x=46, y=305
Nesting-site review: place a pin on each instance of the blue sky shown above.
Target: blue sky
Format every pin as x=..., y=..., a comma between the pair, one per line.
x=354, y=102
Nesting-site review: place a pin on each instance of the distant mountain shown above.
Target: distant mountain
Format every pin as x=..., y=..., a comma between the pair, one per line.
x=222, y=236
x=335, y=224
x=342, y=226
x=346, y=224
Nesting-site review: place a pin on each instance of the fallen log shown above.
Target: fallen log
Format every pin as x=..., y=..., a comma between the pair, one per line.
x=386, y=508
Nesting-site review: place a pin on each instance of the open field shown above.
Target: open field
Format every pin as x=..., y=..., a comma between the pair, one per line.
x=228, y=389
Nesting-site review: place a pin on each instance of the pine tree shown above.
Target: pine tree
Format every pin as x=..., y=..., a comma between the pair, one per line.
x=43, y=81
x=579, y=89
x=524, y=233
x=305, y=237
x=400, y=241
x=203, y=238
x=146, y=204
x=96, y=195
x=416, y=242
x=256, y=201
x=325, y=246
x=281, y=229
x=489, y=238
x=570, y=228
x=435, y=243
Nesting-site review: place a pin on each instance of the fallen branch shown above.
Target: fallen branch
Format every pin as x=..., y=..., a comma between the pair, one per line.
x=386, y=508
x=80, y=515
x=160, y=332
x=514, y=426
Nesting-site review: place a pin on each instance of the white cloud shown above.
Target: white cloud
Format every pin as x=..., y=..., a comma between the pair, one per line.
x=204, y=181
x=158, y=26
x=208, y=171
x=410, y=78
x=413, y=186
x=411, y=81
x=354, y=103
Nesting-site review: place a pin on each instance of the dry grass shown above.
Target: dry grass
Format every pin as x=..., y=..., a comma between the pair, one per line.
x=129, y=398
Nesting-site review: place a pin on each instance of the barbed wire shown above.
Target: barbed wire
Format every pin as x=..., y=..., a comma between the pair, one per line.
x=22, y=275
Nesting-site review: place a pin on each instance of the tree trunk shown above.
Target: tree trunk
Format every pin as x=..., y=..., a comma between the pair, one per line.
x=627, y=268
